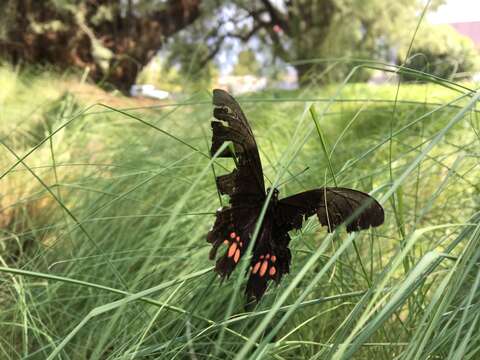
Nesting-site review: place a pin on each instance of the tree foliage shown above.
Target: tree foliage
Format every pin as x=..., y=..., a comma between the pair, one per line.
x=247, y=64
x=310, y=33
x=328, y=29
x=440, y=50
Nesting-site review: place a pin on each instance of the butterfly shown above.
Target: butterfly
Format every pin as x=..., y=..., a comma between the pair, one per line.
x=235, y=223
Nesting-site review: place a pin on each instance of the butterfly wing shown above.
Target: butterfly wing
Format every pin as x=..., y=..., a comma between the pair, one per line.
x=333, y=206
x=231, y=124
x=270, y=261
x=244, y=185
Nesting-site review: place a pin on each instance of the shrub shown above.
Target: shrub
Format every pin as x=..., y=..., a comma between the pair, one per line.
x=441, y=51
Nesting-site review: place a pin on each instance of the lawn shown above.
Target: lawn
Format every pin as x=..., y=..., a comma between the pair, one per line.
x=105, y=203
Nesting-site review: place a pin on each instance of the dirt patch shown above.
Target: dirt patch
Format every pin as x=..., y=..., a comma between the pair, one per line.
x=90, y=93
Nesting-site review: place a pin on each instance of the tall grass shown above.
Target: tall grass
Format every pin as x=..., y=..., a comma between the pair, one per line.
x=104, y=213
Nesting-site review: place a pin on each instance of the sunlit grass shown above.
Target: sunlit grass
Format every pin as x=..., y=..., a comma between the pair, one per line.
x=103, y=224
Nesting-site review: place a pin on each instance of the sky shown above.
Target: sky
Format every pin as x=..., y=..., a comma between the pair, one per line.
x=457, y=11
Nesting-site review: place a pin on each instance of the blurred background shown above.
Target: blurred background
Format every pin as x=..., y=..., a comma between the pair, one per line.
x=107, y=187
x=177, y=46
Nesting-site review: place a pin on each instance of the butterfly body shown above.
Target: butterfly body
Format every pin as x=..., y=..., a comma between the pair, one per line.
x=234, y=228
x=235, y=224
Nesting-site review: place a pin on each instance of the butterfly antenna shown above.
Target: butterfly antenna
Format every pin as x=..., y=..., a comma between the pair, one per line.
x=293, y=177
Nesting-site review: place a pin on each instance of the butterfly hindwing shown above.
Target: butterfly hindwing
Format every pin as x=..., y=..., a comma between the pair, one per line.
x=244, y=185
x=233, y=227
x=270, y=261
x=333, y=206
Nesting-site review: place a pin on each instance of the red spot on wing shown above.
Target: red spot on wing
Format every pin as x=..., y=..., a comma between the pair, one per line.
x=232, y=249
x=236, y=256
x=263, y=269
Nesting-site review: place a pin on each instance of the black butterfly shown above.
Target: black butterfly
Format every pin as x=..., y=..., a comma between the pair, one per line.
x=235, y=224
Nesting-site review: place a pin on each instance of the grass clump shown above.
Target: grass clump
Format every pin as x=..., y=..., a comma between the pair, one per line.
x=116, y=205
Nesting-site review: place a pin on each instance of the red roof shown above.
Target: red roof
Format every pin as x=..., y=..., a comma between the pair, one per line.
x=469, y=29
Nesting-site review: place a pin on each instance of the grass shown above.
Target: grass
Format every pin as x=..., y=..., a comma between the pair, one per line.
x=104, y=212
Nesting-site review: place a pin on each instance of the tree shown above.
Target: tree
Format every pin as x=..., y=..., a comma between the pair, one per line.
x=114, y=39
x=312, y=29
x=300, y=31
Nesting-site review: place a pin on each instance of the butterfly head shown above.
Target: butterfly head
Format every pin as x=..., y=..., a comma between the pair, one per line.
x=275, y=193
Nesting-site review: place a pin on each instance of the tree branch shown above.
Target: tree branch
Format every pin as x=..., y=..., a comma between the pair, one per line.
x=276, y=16
x=248, y=35
x=213, y=52
x=275, y=19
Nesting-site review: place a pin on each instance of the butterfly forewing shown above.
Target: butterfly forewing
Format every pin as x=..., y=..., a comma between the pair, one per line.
x=333, y=206
x=232, y=126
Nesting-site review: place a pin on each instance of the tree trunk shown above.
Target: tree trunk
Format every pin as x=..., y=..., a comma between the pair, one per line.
x=114, y=48
x=312, y=73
